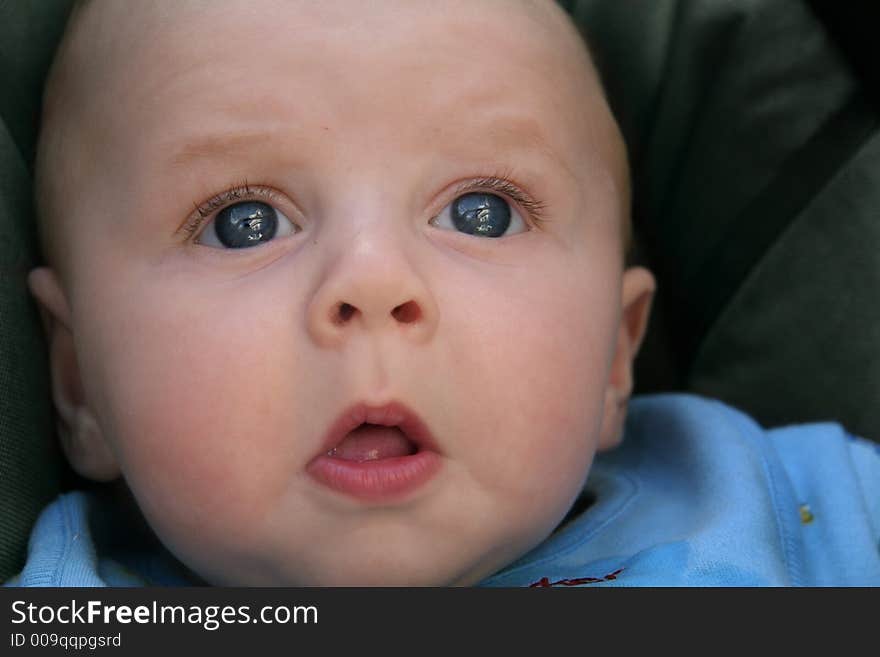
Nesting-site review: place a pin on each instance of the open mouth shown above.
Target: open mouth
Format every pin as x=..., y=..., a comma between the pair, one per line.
x=376, y=454
x=373, y=442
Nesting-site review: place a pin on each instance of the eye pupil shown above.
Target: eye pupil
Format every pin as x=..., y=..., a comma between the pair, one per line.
x=482, y=214
x=246, y=224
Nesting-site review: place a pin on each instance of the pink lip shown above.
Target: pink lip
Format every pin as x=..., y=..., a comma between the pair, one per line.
x=381, y=480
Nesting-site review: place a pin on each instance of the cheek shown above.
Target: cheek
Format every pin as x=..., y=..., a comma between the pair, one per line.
x=196, y=400
x=535, y=361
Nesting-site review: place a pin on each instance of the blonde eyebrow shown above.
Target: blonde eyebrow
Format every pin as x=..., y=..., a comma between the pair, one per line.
x=210, y=147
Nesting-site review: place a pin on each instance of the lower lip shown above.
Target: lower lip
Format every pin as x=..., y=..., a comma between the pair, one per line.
x=382, y=480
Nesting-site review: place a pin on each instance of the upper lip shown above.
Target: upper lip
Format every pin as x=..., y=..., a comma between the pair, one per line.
x=392, y=414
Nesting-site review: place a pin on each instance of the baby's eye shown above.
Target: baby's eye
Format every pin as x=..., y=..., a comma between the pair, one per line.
x=481, y=214
x=244, y=224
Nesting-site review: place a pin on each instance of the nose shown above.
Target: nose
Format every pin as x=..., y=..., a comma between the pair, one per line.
x=372, y=287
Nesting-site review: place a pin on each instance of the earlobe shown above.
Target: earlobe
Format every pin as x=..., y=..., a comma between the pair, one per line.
x=636, y=297
x=86, y=449
x=81, y=436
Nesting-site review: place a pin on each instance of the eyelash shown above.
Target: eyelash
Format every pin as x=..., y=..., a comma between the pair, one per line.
x=501, y=184
x=243, y=192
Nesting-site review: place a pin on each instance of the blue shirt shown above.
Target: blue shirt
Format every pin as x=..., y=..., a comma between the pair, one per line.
x=697, y=495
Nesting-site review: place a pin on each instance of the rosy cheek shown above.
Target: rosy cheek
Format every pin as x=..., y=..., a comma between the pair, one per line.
x=534, y=380
x=564, y=409
x=195, y=413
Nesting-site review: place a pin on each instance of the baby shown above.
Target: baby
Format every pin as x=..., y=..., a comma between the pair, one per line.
x=338, y=290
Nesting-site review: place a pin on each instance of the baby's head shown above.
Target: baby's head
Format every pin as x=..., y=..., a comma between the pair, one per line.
x=268, y=223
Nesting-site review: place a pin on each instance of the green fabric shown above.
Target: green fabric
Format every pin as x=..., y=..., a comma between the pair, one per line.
x=754, y=191
x=29, y=460
x=756, y=173
x=800, y=339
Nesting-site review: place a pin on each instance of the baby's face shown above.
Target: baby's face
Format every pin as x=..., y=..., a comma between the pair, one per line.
x=290, y=209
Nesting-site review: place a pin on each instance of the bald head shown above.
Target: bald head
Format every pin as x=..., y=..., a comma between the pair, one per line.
x=115, y=53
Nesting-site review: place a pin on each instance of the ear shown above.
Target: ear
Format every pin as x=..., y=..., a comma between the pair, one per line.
x=81, y=436
x=637, y=293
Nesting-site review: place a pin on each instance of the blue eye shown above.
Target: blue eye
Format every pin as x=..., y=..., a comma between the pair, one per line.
x=479, y=214
x=245, y=224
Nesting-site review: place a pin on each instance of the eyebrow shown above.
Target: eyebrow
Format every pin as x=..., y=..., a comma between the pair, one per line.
x=522, y=133
x=215, y=146
x=516, y=132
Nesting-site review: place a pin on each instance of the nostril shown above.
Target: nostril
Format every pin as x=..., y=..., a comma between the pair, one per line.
x=406, y=313
x=346, y=310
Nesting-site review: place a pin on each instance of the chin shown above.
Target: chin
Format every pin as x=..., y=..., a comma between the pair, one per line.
x=376, y=577
x=363, y=575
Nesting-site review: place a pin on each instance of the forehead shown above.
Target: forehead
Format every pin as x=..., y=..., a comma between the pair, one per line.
x=171, y=36
x=182, y=72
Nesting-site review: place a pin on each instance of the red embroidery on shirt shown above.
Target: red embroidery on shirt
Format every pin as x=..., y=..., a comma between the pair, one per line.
x=579, y=581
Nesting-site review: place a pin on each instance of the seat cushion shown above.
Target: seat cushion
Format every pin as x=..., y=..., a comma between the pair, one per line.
x=30, y=464
x=753, y=143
